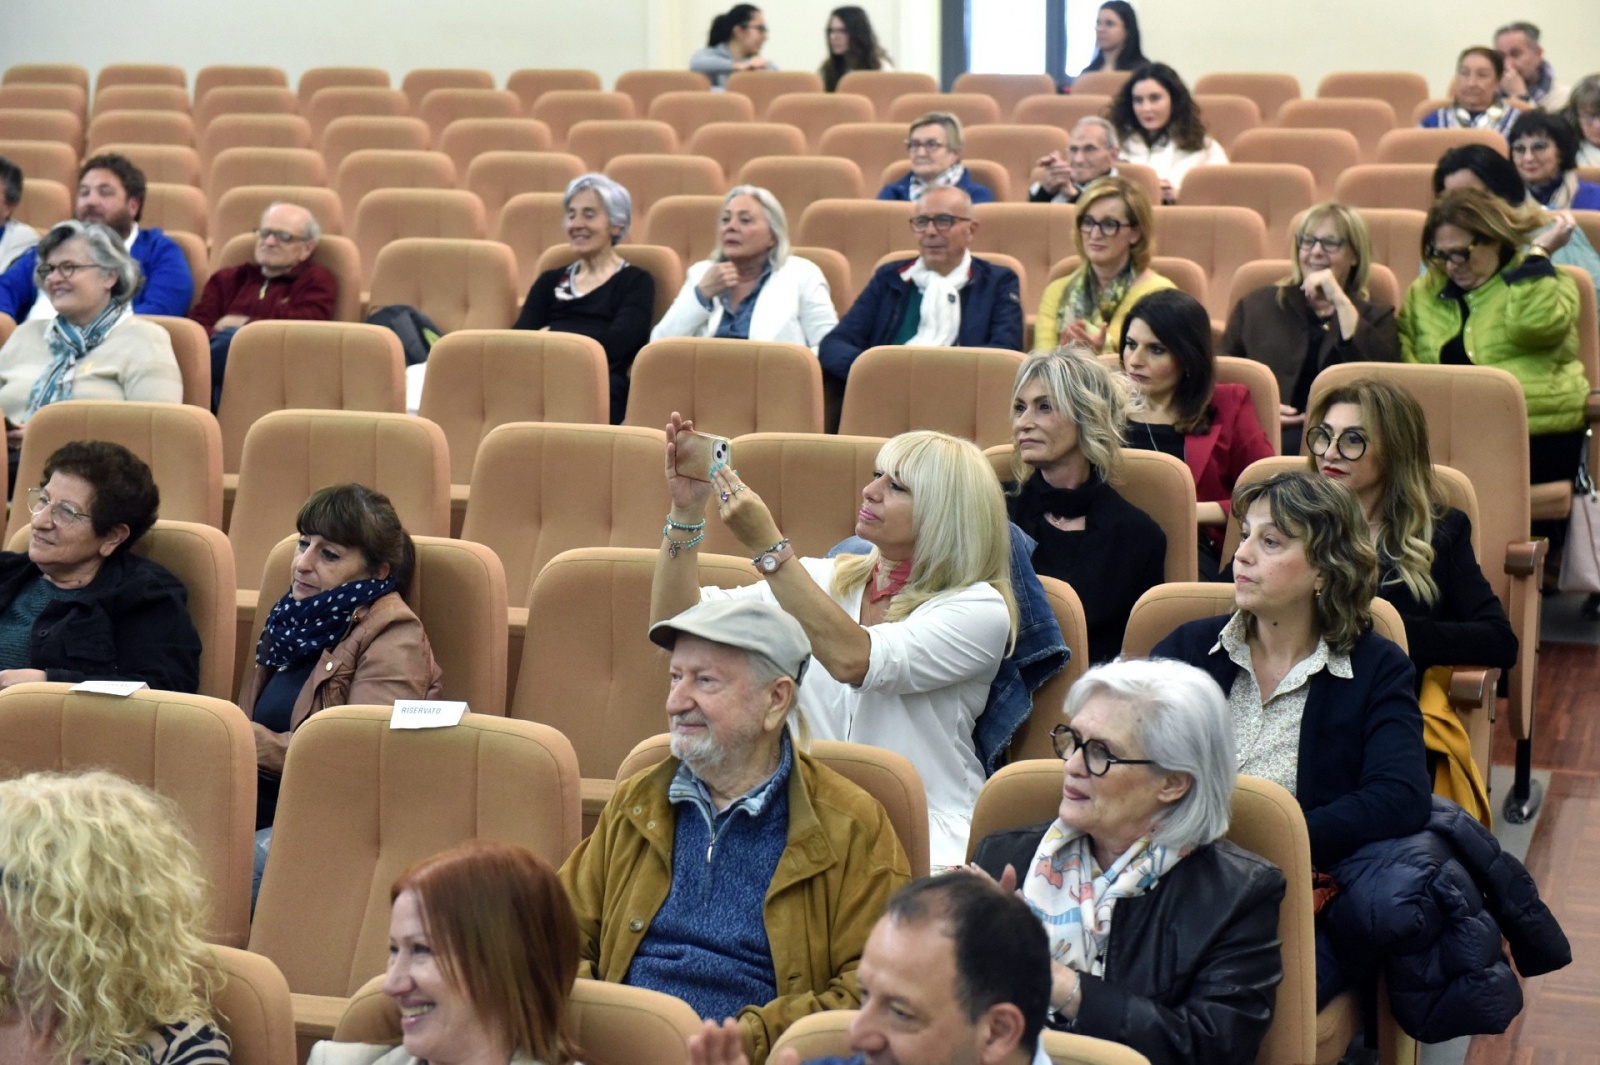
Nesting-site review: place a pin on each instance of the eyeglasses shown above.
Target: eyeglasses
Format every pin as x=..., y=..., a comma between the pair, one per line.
x=1108, y=227
x=1452, y=256
x=1096, y=758
x=66, y=270
x=925, y=146
x=1350, y=444
x=1529, y=147
x=941, y=222
x=282, y=236
x=1330, y=245
x=39, y=501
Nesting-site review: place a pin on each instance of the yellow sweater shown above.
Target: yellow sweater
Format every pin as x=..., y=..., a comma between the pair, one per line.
x=1046, y=335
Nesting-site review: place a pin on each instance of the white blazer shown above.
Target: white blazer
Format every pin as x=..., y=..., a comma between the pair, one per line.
x=794, y=307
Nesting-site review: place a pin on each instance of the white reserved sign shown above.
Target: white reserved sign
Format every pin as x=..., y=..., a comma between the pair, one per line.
x=123, y=688
x=421, y=713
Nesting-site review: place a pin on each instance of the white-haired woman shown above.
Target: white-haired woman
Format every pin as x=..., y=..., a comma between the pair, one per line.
x=599, y=294
x=94, y=347
x=1187, y=973
x=908, y=636
x=752, y=288
x=1067, y=419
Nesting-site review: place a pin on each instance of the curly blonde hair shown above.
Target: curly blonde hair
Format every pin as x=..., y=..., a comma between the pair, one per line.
x=107, y=906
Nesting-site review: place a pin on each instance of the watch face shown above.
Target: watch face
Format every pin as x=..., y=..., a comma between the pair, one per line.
x=769, y=563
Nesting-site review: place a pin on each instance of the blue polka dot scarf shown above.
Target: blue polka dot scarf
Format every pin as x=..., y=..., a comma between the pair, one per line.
x=300, y=628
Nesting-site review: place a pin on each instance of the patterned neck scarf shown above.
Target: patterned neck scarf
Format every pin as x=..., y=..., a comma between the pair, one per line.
x=1085, y=301
x=68, y=346
x=1074, y=904
x=897, y=581
x=948, y=179
x=299, y=628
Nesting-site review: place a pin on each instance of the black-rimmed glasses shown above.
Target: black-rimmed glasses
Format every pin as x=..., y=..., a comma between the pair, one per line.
x=1328, y=244
x=941, y=222
x=1108, y=227
x=66, y=270
x=1452, y=256
x=1350, y=444
x=1096, y=758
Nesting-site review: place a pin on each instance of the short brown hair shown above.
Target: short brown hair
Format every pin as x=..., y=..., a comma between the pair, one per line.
x=504, y=934
x=125, y=492
x=355, y=516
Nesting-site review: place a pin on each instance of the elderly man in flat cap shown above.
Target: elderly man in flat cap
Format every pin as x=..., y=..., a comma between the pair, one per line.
x=740, y=875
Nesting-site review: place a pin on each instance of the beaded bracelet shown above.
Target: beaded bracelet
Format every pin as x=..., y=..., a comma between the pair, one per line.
x=701, y=524
x=674, y=546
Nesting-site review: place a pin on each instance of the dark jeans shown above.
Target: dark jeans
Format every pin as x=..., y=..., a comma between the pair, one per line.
x=219, y=364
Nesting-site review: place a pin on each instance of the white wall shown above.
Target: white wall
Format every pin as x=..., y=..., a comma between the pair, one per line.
x=1306, y=37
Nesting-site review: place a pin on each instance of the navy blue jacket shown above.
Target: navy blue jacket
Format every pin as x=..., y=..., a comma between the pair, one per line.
x=991, y=314
x=1362, y=770
x=168, y=285
x=1428, y=911
x=901, y=190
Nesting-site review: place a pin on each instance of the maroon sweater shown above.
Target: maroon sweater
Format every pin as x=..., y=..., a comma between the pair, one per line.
x=307, y=292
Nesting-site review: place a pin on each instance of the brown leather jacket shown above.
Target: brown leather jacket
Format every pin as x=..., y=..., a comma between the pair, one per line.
x=384, y=655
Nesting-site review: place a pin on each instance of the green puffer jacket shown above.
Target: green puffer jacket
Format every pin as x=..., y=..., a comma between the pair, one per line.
x=1523, y=320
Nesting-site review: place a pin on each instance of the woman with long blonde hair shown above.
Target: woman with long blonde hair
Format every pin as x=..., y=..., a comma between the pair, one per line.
x=909, y=635
x=1371, y=437
x=102, y=912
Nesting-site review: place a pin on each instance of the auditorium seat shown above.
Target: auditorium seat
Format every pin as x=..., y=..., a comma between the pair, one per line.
x=814, y=113
x=800, y=181
x=498, y=176
x=598, y=141
x=235, y=167
x=239, y=210
x=1367, y=119
x=561, y=109
x=1006, y=90
x=529, y=223
x=733, y=144
x=379, y=168
x=346, y=101
x=460, y=284
x=993, y=176
x=253, y=131
x=863, y=231
x=1428, y=145
x=1219, y=239
x=661, y=263
x=652, y=177
x=464, y=139
x=140, y=74
x=993, y=258
x=1325, y=152
x=318, y=78
x=973, y=109
x=962, y=391
x=1407, y=185
x=870, y=145
x=192, y=349
x=193, y=750
x=338, y=254
x=686, y=112
x=646, y=86
x=1396, y=234
x=8, y=325
x=811, y=482
x=727, y=387
x=883, y=87
x=244, y=100
x=1268, y=91
x=399, y=800
x=1188, y=276
x=588, y=666
x=22, y=96
x=253, y=1007
x=193, y=246
x=62, y=127
x=686, y=224
x=835, y=270
x=43, y=160
x=458, y=592
x=1275, y=191
x=765, y=86
x=1552, y=501
x=44, y=203
x=140, y=127
x=350, y=133
x=1100, y=82
x=1037, y=234
x=386, y=215
x=47, y=74
x=1061, y=112
x=1381, y=284
x=233, y=76
x=171, y=164
x=1401, y=90
x=141, y=98
x=417, y=84
x=827, y=1035
x=1017, y=148
x=530, y=84
x=1228, y=116
x=440, y=107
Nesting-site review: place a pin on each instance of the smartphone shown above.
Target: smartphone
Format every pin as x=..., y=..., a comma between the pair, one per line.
x=701, y=454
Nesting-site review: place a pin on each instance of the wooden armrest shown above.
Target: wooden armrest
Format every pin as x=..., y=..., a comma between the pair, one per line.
x=316, y=1016
x=1469, y=687
x=1524, y=559
x=1591, y=406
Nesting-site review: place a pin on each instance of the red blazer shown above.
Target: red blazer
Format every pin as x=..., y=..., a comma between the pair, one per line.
x=1218, y=456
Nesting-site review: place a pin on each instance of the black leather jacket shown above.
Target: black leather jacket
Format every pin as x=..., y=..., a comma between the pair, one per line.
x=1192, y=966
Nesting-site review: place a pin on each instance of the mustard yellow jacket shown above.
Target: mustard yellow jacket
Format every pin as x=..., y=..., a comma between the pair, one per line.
x=842, y=862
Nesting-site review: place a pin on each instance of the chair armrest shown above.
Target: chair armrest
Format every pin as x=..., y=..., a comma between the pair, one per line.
x=1470, y=687
x=1525, y=564
x=1524, y=559
x=1591, y=407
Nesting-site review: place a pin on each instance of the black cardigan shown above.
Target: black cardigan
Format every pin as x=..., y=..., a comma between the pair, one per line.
x=1362, y=772
x=130, y=623
x=1192, y=966
x=617, y=313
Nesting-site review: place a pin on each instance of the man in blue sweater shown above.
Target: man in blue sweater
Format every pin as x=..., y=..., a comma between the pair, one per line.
x=956, y=973
x=740, y=875
x=111, y=190
x=943, y=298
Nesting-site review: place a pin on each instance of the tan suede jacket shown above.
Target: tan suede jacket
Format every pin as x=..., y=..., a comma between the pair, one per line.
x=384, y=655
x=842, y=862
